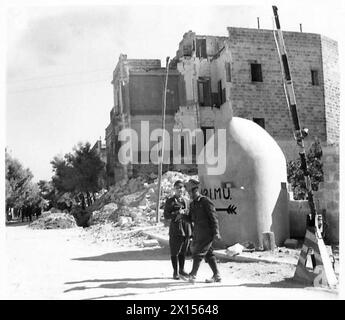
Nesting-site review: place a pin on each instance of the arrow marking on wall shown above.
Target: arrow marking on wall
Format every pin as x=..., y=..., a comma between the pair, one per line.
x=231, y=209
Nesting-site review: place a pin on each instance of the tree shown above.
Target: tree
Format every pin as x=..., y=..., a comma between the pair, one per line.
x=64, y=179
x=18, y=182
x=78, y=173
x=20, y=190
x=89, y=168
x=295, y=174
x=48, y=193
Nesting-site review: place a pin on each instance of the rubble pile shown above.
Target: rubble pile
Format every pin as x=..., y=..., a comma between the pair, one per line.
x=107, y=213
x=133, y=203
x=128, y=206
x=54, y=220
x=119, y=237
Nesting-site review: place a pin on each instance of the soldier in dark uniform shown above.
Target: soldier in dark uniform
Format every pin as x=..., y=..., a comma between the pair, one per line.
x=179, y=230
x=205, y=230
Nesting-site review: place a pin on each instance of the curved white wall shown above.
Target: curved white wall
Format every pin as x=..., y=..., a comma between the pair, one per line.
x=256, y=169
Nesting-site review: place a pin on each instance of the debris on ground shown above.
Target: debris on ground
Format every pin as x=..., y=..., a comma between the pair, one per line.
x=107, y=213
x=150, y=243
x=249, y=246
x=234, y=250
x=54, y=220
x=115, y=235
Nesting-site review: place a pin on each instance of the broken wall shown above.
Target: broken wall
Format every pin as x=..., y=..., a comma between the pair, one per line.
x=146, y=93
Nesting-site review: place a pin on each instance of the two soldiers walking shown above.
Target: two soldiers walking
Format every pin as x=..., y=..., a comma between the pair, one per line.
x=199, y=223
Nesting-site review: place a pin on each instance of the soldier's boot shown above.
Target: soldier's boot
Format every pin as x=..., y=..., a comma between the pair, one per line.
x=174, y=265
x=213, y=265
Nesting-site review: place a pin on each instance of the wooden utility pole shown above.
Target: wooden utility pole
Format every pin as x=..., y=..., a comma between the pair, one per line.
x=161, y=155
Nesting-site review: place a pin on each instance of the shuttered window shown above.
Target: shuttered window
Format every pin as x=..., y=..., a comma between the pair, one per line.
x=220, y=93
x=204, y=92
x=256, y=72
x=315, y=77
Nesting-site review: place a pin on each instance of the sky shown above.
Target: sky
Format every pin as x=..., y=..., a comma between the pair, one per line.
x=60, y=59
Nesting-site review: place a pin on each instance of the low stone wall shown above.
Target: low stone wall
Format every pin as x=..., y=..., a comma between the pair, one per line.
x=298, y=211
x=327, y=196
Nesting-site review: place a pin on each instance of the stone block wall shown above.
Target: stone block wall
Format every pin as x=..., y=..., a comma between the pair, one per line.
x=266, y=99
x=328, y=193
x=331, y=87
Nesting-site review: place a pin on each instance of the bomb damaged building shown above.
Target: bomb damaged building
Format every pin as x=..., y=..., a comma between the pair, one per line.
x=138, y=86
x=242, y=70
x=239, y=74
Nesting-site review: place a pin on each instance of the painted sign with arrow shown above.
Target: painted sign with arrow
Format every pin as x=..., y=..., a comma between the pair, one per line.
x=231, y=209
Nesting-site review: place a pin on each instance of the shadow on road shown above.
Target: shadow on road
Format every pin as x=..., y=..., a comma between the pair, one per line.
x=289, y=283
x=145, y=254
x=110, y=280
x=178, y=286
x=127, y=284
x=285, y=283
x=165, y=287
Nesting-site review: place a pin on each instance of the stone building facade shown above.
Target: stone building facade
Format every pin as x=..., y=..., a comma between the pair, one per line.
x=242, y=69
x=138, y=86
x=246, y=72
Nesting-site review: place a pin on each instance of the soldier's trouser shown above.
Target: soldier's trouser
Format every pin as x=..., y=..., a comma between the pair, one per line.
x=196, y=265
x=174, y=263
x=178, y=245
x=178, y=248
x=213, y=265
x=209, y=258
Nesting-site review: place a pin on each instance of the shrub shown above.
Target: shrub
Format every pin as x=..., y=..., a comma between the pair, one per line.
x=296, y=176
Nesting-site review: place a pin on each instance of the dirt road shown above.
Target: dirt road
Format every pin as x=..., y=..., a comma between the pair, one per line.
x=61, y=264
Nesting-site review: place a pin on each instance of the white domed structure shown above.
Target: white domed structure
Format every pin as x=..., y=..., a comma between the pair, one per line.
x=254, y=182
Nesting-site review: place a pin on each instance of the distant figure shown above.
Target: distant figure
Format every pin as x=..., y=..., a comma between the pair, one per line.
x=38, y=211
x=205, y=230
x=27, y=212
x=179, y=230
x=30, y=211
x=23, y=212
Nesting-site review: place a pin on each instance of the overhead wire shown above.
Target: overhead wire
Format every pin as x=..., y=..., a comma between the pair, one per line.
x=57, y=75
x=56, y=86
